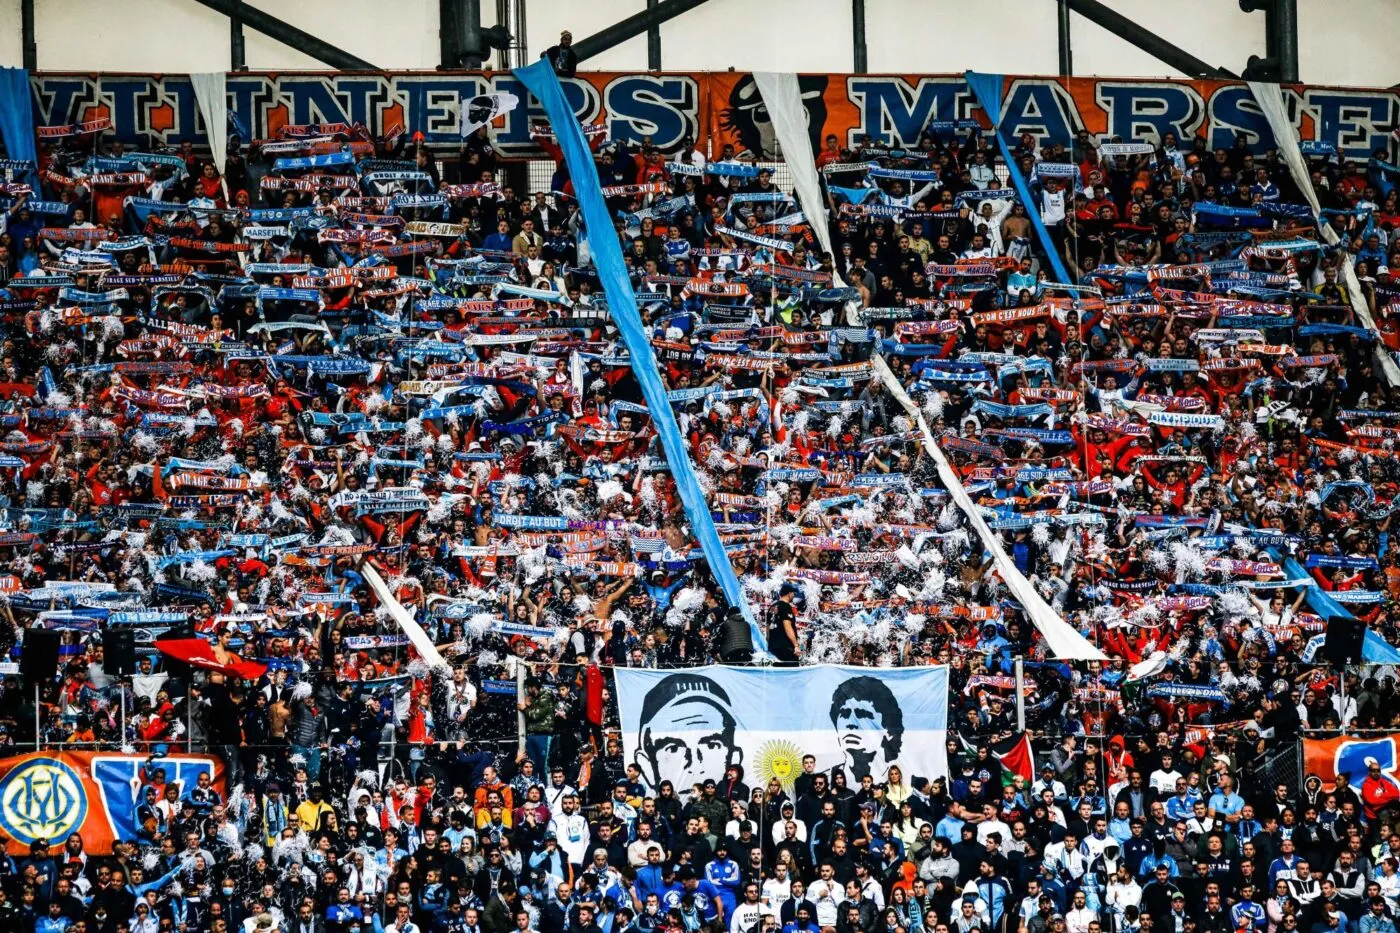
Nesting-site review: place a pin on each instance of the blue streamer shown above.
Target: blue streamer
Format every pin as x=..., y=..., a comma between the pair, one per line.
x=987, y=90
x=17, y=114
x=543, y=83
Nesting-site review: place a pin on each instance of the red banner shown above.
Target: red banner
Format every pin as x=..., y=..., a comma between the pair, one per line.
x=51, y=795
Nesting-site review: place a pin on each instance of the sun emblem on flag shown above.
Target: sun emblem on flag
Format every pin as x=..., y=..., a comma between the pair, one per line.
x=779, y=759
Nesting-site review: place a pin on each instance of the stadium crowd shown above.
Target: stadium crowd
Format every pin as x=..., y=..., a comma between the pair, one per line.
x=228, y=393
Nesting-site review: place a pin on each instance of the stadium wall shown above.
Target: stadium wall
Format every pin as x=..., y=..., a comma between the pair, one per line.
x=791, y=35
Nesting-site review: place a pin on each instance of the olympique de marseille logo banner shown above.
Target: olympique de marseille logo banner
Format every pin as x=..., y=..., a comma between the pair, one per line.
x=50, y=795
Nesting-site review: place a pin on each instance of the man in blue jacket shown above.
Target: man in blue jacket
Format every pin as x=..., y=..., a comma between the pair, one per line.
x=655, y=877
x=704, y=894
x=724, y=873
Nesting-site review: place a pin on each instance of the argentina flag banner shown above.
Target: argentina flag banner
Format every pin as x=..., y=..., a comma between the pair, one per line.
x=690, y=726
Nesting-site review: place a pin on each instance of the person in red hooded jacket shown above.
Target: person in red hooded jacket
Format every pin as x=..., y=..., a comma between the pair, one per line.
x=1378, y=791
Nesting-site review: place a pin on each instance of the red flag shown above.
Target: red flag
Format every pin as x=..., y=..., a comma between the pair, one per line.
x=197, y=652
x=593, y=694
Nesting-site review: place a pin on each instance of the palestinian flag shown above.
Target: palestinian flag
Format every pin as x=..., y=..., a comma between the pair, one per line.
x=1014, y=754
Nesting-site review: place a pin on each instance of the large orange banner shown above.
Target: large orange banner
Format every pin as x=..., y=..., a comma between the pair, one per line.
x=1327, y=758
x=714, y=109
x=50, y=795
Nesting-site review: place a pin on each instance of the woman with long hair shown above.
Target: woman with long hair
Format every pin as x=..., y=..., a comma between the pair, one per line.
x=774, y=796
x=896, y=788
x=906, y=825
x=210, y=184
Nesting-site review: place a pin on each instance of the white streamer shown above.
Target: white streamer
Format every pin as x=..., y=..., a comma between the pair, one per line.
x=1064, y=641
x=1270, y=99
x=210, y=91
x=426, y=649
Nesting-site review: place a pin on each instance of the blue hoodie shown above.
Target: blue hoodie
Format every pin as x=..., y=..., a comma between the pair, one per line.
x=725, y=875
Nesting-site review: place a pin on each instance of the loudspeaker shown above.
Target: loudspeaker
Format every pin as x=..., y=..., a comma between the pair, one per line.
x=38, y=656
x=736, y=642
x=1342, y=643
x=119, y=652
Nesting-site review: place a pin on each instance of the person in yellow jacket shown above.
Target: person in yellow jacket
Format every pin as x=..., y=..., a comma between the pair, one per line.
x=312, y=810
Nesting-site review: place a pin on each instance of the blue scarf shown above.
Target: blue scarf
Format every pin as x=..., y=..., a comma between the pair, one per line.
x=1315, y=330
x=329, y=160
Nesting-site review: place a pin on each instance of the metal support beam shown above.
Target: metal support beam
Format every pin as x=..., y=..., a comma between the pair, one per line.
x=288, y=34
x=862, y=62
x=518, y=31
x=1020, y=670
x=452, y=19
x=1066, y=51
x=653, y=39
x=447, y=33
x=1286, y=36
x=1279, y=62
x=503, y=18
x=237, y=46
x=471, y=49
x=1145, y=39
x=448, y=54
x=635, y=25
x=511, y=15
x=26, y=26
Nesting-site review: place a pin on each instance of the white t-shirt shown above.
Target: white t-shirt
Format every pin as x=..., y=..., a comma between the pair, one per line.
x=825, y=896
x=987, y=827
x=1094, y=846
x=1164, y=781
x=775, y=894
x=746, y=917
x=1078, y=919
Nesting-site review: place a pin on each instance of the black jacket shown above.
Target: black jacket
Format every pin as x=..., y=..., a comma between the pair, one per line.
x=564, y=60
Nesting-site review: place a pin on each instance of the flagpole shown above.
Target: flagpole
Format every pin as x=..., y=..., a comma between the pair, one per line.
x=520, y=713
x=1020, y=695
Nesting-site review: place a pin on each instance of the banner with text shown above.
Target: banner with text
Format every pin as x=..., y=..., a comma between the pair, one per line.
x=714, y=108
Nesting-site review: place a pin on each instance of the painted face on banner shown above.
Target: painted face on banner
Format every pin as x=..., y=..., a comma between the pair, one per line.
x=689, y=727
x=859, y=724
x=686, y=733
x=869, y=727
x=747, y=116
x=479, y=111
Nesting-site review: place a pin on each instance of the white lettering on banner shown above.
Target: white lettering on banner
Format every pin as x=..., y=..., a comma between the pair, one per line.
x=895, y=113
x=427, y=228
